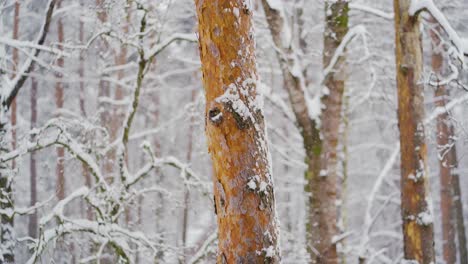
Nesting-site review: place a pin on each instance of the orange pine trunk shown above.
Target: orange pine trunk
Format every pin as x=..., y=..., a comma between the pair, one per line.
x=235, y=130
x=415, y=211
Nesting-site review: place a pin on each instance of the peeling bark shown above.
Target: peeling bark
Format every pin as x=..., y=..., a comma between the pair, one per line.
x=243, y=187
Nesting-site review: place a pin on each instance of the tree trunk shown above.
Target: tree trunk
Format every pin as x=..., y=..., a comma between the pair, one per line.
x=461, y=233
x=32, y=227
x=15, y=68
x=444, y=141
x=326, y=184
x=7, y=240
x=82, y=106
x=104, y=91
x=415, y=210
x=235, y=130
x=321, y=156
x=185, y=213
x=60, y=168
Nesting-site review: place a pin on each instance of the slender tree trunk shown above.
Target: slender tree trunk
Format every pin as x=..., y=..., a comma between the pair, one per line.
x=185, y=215
x=415, y=211
x=60, y=168
x=7, y=240
x=32, y=227
x=82, y=106
x=461, y=232
x=444, y=141
x=159, y=181
x=235, y=129
x=104, y=91
x=310, y=133
x=326, y=184
x=321, y=155
x=15, y=68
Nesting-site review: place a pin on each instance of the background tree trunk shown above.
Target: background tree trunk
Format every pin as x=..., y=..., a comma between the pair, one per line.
x=321, y=156
x=32, y=227
x=415, y=211
x=461, y=232
x=7, y=242
x=443, y=145
x=14, y=121
x=82, y=105
x=235, y=130
x=60, y=168
x=326, y=184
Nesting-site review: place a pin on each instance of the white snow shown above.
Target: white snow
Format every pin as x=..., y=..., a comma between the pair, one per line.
x=270, y=252
x=251, y=184
x=425, y=218
x=231, y=95
x=459, y=43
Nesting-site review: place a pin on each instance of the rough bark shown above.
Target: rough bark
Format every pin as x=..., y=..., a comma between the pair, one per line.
x=59, y=98
x=444, y=141
x=235, y=130
x=415, y=211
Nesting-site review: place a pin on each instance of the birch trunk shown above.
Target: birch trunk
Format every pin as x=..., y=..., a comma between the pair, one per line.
x=235, y=130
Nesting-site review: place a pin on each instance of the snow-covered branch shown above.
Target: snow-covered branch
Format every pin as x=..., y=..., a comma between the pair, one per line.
x=359, y=30
x=174, y=37
x=9, y=93
x=428, y=5
x=371, y=10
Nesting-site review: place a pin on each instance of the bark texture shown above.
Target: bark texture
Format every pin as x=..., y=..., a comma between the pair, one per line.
x=235, y=129
x=444, y=142
x=415, y=211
